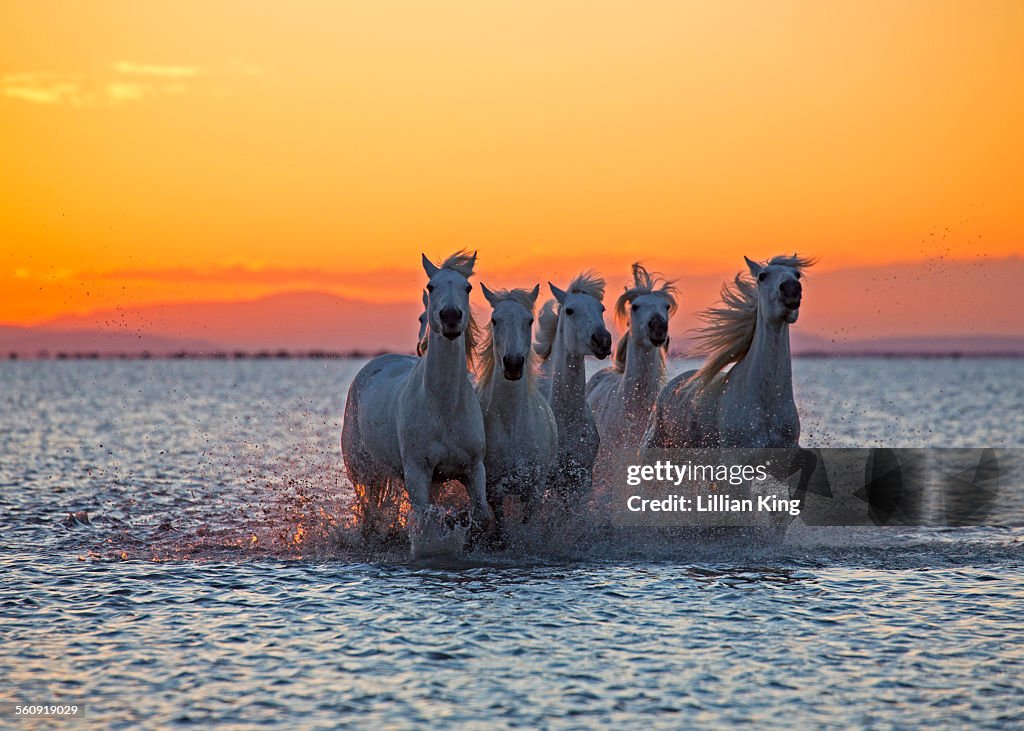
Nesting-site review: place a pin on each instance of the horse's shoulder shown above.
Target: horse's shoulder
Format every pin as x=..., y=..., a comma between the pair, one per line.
x=388, y=365
x=681, y=379
x=603, y=376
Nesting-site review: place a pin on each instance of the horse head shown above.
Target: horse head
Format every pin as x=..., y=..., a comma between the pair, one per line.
x=645, y=308
x=448, y=291
x=511, y=329
x=581, y=317
x=779, y=290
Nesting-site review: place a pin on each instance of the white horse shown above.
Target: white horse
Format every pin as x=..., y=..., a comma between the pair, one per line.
x=622, y=395
x=418, y=420
x=750, y=405
x=520, y=426
x=569, y=331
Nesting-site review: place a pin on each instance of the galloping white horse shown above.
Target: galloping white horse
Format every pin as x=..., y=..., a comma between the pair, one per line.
x=418, y=420
x=750, y=405
x=567, y=333
x=622, y=395
x=520, y=426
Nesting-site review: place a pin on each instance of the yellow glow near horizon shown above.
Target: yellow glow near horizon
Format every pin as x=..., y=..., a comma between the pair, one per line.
x=139, y=139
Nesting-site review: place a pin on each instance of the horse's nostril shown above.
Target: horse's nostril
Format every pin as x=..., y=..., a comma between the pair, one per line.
x=450, y=317
x=791, y=291
x=657, y=328
x=513, y=366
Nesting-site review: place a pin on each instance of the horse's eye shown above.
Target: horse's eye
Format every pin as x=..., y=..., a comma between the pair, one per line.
x=570, y=311
x=430, y=287
x=531, y=321
x=493, y=321
x=797, y=274
x=469, y=288
x=761, y=277
x=635, y=308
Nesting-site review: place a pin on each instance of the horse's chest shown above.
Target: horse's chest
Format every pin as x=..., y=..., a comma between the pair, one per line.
x=578, y=439
x=450, y=437
x=759, y=425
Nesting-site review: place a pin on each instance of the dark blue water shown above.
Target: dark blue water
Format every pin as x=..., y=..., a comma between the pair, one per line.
x=212, y=577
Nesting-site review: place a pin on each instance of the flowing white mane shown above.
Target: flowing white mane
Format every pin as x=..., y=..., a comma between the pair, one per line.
x=643, y=283
x=485, y=359
x=729, y=332
x=588, y=282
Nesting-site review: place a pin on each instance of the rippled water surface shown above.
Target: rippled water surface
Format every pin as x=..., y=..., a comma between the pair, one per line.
x=211, y=574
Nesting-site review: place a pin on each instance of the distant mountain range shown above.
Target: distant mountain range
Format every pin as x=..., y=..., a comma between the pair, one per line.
x=930, y=307
x=296, y=322
x=305, y=322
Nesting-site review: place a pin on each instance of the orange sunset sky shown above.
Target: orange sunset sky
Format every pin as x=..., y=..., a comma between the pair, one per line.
x=205, y=151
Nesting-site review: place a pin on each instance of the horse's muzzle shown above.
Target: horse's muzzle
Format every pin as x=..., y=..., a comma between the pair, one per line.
x=791, y=292
x=451, y=322
x=601, y=344
x=657, y=331
x=513, y=367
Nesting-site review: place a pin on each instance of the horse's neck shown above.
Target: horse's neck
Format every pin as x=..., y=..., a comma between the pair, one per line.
x=568, y=378
x=766, y=373
x=444, y=368
x=643, y=375
x=508, y=400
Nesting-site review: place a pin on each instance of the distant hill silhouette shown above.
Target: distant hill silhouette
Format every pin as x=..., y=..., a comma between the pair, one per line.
x=298, y=321
x=929, y=307
x=34, y=342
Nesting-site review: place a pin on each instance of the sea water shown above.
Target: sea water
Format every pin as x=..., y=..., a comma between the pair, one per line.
x=177, y=550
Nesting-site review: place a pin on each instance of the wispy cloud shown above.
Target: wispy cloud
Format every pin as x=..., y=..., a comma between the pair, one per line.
x=147, y=69
x=242, y=274
x=119, y=83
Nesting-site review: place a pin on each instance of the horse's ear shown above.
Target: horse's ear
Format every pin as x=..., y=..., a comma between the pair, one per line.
x=428, y=267
x=559, y=293
x=754, y=267
x=488, y=294
x=534, y=294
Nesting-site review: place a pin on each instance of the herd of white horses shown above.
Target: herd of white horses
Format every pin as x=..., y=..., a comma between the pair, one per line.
x=512, y=414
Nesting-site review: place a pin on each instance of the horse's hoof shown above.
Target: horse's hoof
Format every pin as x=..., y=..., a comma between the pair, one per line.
x=436, y=534
x=460, y=519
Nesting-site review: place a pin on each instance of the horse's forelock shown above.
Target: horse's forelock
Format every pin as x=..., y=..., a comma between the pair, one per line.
x=588, y=282
x=462, y=261
x=522, y=296
x=800, y=263
x=645, y=283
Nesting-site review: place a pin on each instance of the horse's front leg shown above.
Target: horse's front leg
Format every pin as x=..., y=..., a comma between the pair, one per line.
x=477, y=489
x=417, y=485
